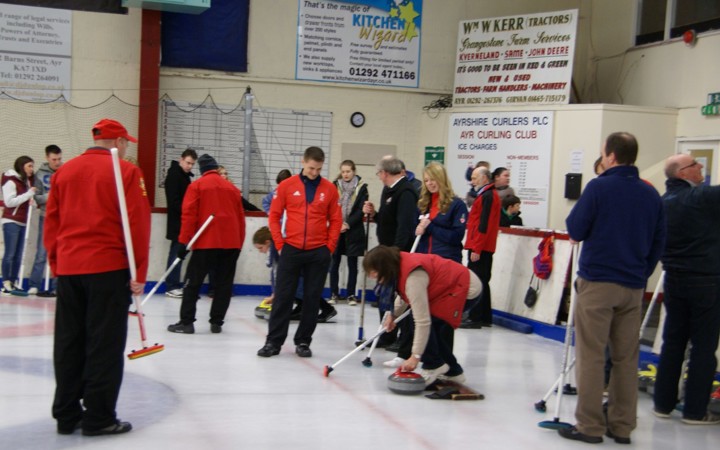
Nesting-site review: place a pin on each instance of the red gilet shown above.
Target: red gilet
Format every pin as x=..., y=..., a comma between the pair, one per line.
x=448, y=288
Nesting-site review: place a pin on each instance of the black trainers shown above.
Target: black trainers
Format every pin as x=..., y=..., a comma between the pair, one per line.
x=215, y=328
x=117, y=428
x=394, y=347
x=47, y=294
x=618, y=439
x=303, y=351
x=470, y=325
x=326, y=316
x=69, y=428
x=574, y=434
x=268, y=350
x=181, y=328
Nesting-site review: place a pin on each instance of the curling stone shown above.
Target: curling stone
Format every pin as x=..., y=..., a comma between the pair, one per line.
x=406, y=383
x=262, y=311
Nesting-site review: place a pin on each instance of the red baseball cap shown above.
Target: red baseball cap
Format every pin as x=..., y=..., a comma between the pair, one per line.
x=111, y=129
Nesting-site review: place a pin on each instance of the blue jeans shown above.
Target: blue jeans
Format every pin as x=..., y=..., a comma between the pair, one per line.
x=692, y=303
x=14, y=238
x=38, y=269
x=173, y=279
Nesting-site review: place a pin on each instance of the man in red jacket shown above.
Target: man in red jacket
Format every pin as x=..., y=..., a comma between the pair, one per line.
x=483, y=226
x=217, y=249
x=84, y=239
x=312, y=229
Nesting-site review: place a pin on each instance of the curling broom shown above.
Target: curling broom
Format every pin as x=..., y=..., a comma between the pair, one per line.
x=177, y=260
x=328, y=369
x=146, y=350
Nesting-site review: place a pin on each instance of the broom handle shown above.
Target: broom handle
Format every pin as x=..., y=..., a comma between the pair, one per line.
x=568, y=330
x=369, y=341
x=652, y=303
x=128, y=237
x=177, y=260
x=25, y=244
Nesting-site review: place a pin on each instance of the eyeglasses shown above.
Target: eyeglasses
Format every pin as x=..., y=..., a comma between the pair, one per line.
x=694, y=163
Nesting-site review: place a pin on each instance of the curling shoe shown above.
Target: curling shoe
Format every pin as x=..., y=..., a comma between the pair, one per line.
x=117, y=428
x=303, y=350
x=574, y=434
x=268, y=350
x=431, y=375
x=181, y=328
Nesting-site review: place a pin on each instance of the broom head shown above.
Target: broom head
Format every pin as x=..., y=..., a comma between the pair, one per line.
x=135, y=354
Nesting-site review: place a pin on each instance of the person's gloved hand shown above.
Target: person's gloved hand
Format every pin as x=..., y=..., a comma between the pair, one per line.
x=182, y=251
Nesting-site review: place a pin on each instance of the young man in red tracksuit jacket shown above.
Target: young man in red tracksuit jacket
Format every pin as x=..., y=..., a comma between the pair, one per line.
x=84, y=239
x=217, y=249
x=483, y=226
x=312, y=229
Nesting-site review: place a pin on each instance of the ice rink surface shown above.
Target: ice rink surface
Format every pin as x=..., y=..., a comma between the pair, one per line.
x=211, y=391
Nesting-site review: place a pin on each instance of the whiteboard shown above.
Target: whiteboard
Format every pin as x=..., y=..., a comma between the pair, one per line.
x=279, y=139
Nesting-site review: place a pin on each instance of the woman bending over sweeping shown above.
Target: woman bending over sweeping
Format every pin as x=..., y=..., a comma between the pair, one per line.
x=438, y=290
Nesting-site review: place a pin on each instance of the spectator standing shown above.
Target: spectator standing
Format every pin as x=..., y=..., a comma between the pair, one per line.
x=692, y=296
x=501, y=179
x=510, y=212
x=18, y=192
x=616, y=260
x=483, y=226
x=312, y=227
x=216, y=250
x=353, y=195
x=86, y=248
x=53, y=157
x=178, y=178
x=473, y=192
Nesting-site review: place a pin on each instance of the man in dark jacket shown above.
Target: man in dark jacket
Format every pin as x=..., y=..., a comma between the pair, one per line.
x=617, y=257
x=397, y=217
x=178, y=179
x=692, y=300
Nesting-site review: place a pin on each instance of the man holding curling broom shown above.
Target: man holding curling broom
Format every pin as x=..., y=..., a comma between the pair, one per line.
x=84, y=238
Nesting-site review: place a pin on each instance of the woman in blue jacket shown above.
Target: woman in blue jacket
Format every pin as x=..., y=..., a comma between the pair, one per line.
x=443, y=229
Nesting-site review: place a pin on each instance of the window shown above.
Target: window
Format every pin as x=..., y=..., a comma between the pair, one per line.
x=659, y=20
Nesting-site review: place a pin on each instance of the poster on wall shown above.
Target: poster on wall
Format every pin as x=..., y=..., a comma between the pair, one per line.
x=35, y=52
x=363, y=41
x=516, y=60
x=519, y=141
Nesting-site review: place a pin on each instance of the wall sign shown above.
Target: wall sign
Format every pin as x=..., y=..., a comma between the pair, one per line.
x=515, y=60
x=519, y=141
x=362, y=41
x=35, y=52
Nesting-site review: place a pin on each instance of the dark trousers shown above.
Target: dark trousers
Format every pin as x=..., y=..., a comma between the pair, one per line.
x=173, y=279
x=692, y=303
x=482, y=311
x=90, y=334
x=439, y=349
x=352, y=263
x=223, y=263
x=406, y=328
x=312, y=265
